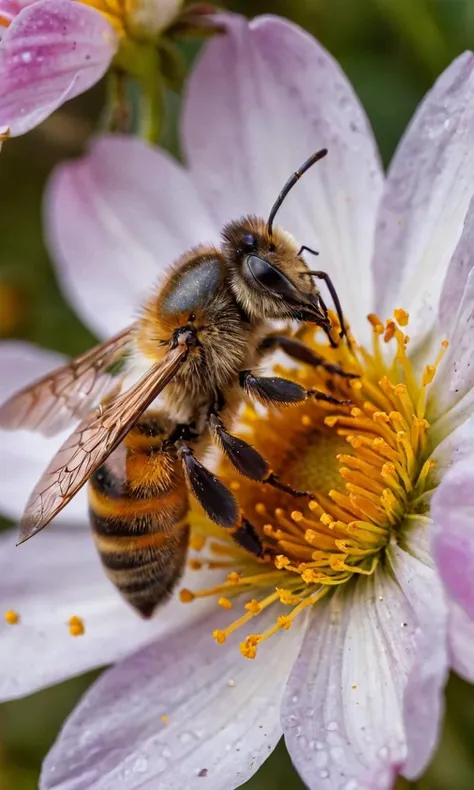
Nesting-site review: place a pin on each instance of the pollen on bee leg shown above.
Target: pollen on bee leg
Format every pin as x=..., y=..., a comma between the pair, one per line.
x=11, y=617
x=76, y=626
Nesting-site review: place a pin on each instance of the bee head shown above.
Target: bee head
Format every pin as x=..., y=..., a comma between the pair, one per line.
x=268, y=274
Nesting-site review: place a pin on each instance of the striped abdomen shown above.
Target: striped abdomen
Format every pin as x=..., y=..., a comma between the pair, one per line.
x=138, y=506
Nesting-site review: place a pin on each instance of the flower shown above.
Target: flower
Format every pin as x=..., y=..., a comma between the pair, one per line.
x=355, y=683
x=53, y=50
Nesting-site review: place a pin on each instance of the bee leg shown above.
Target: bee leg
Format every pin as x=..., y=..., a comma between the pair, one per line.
x=246, y=459
x=214, y=497
x=246, y=536
x=218, y=502
x=277, y=391
x=330, y=286
x=298, y=350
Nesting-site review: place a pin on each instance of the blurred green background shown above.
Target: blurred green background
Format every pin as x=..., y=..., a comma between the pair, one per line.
x=392, y=50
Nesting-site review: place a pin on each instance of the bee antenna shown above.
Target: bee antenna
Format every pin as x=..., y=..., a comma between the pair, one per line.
x=290, y=184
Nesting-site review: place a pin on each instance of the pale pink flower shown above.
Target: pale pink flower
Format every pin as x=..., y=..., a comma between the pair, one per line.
x=53, y=50
x=355, y=686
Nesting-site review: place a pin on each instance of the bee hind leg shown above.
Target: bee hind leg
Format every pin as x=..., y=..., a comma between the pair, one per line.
x=218, y=502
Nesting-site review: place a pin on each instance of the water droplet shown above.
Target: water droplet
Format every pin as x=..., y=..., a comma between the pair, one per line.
x=332, y=726
x=141, y=764
x=294, y=698
x=321, y=759
x=324, y=773
x=166, y=753
x=26, y=57
x=337, y=753
x=352, y=784
x=383, y=752
x=319, y=745
x=186, y=738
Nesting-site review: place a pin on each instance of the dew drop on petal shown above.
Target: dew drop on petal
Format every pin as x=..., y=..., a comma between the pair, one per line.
x=141, y=764
x=324, y=774
x=26, y=57
x=332, y=726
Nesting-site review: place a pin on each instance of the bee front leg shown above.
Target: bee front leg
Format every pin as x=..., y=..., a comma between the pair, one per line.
x=218, y=501
x=299, y=351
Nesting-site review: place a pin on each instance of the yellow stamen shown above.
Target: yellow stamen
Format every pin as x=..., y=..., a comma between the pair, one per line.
x=365, y=466
x=11, y=617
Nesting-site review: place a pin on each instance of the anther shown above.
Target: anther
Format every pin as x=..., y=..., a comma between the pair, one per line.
x=11, y=617
x=224, y=602
x=186, y=596
x=219, y=636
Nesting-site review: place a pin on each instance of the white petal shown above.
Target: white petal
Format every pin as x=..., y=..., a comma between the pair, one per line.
x=116, y=220
x=423, y=696
x=461, y=641
x=261, y=100
x=428, y=191
x=24, y=454
x=451, y=399
x=46, y=581
x=344, y=706
x=222, y=716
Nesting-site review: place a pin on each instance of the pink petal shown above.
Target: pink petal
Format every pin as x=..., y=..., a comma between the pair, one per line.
x=46, y=581
x=453, y=513
x=221, y=716
x=261, y=100
x=461, y=642
x=428, y=191
x=24, y=455
x=116, y=220
x=343, y=712
x=52, y=51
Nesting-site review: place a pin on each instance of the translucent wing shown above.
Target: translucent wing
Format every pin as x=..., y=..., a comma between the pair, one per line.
x=92, y=442
x=68, y=393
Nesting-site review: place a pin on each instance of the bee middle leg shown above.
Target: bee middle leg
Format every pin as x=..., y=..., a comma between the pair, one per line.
x=246, y=459
x=218, y=501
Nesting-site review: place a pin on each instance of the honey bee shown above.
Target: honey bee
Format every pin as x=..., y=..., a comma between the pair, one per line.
x=198, y=340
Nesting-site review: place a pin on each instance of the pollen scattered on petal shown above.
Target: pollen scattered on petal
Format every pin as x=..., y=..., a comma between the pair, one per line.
x=11, y=617
x=76, y=626
x=164, y=718
x=224, y=602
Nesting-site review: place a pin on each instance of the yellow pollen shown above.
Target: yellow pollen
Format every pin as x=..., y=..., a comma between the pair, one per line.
x=364, y=467
x=11, y=617
x=164, y=718
x=76, y=626
x=197, y=542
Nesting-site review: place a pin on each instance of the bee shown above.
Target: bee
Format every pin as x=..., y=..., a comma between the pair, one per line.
x=196, y=343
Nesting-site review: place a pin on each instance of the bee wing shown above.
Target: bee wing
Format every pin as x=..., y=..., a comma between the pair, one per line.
x=92, y=442
x=67, y=393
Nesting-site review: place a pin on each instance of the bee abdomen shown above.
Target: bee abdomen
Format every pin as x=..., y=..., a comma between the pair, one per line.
x=142, y=541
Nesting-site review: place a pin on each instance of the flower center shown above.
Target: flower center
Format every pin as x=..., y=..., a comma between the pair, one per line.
x=136, y=19
x=365, y=465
